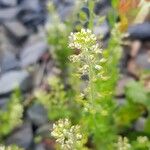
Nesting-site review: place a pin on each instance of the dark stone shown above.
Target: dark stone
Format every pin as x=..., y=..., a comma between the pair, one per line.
x=16, y=31
x=13, y=79
x=31, y=18
x=33, y=13
x=140, y=31
x=8, y=3
x=37, y=114
x=101, y=6
x=8, y=13
x=31, y=54
x=22, y=137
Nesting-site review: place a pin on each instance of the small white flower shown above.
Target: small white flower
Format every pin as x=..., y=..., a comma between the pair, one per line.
x=98, y=67
x=66, y=135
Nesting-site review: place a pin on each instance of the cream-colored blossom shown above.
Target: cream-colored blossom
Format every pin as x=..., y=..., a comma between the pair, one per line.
x=66, y=135
x=142, y=139
x=84, y=40
x=123, y=144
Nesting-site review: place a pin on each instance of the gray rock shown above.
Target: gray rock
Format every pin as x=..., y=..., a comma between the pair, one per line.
x=8, y=13
x=140, y=124
x=143, y=61
x=11, y=80
x=8, y=3
x=140, y=31
x=32, y=5
x=31, y=54
x=16, y=31
x=65, y=11
x=3, y=102
x=22, y=137
x=44, y=130
x=40, y=147
x=102, y=29
x=9, y=62
x=37, y=114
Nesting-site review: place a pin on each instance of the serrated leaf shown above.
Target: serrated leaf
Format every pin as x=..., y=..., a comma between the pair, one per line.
x=135, y=92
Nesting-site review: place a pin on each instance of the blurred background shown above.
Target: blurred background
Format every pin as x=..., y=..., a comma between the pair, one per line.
x=32, y=51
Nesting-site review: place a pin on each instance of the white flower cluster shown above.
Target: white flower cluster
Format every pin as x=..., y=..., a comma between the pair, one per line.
x=68, y=136
x=86, y=42
x=123, y=144
x=142, y=139
x=83, y=40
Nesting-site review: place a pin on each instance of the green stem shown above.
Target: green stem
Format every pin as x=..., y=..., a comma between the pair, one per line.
x=91, y=10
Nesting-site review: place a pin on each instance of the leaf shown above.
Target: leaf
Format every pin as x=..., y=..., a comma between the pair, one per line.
x=115, y=3
x=147, y=126
x=135, y=92
x=82, y=16
x=127, y=114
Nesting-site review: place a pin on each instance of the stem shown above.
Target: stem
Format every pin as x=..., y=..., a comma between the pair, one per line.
x=91, y=85
x=91, y=9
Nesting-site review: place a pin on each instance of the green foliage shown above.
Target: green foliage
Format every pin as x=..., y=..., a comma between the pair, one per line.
x=11, y=116
x=90, y=101
x=141, y=143
x=127, y=114
x=136, y=93
x=97, y=98
x=54, y=101
x=137, y=102
x=57, y=35
x=10, y=148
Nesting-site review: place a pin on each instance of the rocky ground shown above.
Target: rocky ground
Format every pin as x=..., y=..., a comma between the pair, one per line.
x=25, y=59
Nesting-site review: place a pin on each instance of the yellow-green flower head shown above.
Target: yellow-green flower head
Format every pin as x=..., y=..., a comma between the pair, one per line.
x=83, y=40
x=66, y=135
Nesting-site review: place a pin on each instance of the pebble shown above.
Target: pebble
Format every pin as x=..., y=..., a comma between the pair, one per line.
x=22, y=137
x=16, y=31
x=13, y=79
x=31, y=54
x=8, y=13
x=37, y=114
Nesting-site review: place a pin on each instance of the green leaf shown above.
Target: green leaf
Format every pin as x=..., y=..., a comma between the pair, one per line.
x=135, y=92
x=83, y=16
x=147, y=126
x=115, y=3
x=127, y=114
